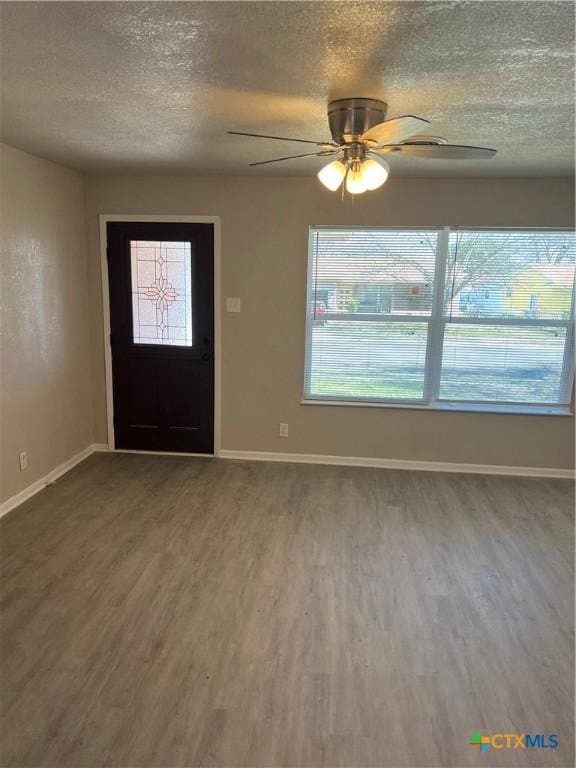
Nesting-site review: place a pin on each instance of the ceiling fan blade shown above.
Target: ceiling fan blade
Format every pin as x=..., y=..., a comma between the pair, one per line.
x=278, y=138
x=396, y=130
x=292, y=157
x=440, y=151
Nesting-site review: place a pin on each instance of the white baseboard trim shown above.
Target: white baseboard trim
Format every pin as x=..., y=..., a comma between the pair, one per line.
x=426, y=466
x=34, y=488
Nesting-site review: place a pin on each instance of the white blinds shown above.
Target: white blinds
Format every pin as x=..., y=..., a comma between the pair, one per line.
x=508, y=306
x=369, y=305
x=499, y=330
x=510, y=274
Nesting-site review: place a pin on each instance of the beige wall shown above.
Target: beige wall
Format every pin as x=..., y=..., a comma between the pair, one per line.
x=264, y=244
x=45, y=379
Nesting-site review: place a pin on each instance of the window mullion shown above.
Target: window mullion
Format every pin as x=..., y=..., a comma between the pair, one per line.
x=436, y=323
x=567, y=375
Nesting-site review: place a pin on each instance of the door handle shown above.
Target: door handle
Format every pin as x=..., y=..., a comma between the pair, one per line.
x=206, y=356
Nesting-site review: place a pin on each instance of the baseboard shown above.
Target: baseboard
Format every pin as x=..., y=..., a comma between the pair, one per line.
x=426, y=466
x=34, y=488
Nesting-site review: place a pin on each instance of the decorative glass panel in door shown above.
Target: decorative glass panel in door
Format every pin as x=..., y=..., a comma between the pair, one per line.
x=161, y=292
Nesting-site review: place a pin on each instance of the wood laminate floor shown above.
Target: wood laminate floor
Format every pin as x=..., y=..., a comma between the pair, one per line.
x=175, y=612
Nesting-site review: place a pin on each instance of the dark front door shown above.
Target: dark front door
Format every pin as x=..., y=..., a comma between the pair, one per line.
x=162, y=335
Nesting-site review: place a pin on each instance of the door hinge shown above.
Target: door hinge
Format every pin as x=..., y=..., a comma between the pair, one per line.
x=111, y=340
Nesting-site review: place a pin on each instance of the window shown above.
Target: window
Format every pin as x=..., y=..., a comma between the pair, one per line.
x=440, y=318
x=161, y=292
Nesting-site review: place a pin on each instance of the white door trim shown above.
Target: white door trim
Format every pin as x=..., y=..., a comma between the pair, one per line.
x=215, y=220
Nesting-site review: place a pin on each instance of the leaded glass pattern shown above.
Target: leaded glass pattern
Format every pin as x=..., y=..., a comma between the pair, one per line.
x=161, y=292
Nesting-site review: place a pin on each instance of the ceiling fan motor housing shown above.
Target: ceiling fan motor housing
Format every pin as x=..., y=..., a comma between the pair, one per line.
x=350, y=118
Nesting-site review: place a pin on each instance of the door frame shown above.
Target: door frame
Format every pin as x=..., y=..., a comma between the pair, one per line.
x=104, y=218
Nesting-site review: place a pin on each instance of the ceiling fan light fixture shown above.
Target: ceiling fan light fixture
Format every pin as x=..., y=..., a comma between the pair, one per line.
x=332, y=175
x=360, y=128
x=374, y=173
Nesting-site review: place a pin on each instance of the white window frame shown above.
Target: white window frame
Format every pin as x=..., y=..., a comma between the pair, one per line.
x=437, y=322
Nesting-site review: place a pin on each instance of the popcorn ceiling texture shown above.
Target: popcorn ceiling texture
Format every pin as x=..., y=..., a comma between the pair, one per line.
x=153, y=87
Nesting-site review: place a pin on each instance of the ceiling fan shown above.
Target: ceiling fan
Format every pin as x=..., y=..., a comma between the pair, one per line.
x=360, y=133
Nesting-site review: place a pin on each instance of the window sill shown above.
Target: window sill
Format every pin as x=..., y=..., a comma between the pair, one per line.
x=523, y=410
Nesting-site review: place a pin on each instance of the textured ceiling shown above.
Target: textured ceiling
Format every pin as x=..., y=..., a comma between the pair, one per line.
x=153, y=87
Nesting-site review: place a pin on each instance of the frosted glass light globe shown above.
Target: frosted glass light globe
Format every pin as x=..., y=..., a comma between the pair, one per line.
x=332, y=175
x=355, y=183
x=373, y=173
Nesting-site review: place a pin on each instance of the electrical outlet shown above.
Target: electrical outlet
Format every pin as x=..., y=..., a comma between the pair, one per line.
x=23, y=459
x=283, y=431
